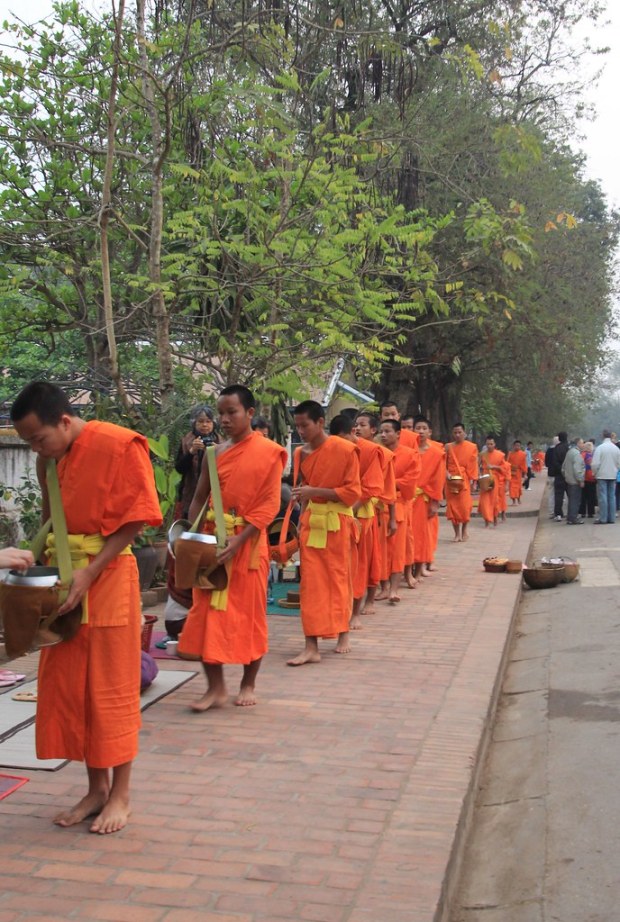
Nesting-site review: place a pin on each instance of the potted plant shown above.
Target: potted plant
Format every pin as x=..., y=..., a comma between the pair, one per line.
x=150, y=546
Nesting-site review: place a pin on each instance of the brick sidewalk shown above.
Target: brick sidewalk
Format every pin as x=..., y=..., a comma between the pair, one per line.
x=341, y=797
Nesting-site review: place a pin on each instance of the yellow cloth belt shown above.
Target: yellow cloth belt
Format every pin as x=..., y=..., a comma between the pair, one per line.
x=324, y=517
x=219, y=597
x=420, y=492
x=81, y=547
x=367, y=509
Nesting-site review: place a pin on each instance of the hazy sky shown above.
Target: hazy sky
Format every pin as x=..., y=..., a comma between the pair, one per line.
x=602, y=135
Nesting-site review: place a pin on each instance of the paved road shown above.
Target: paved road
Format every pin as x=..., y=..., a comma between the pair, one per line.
x=545, y=844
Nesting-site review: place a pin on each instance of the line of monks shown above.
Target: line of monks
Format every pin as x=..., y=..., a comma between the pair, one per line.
x=370, y=510
x=369, y=495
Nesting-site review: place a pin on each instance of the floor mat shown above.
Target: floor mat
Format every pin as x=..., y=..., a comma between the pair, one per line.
x=17, y=747
x=279, y=591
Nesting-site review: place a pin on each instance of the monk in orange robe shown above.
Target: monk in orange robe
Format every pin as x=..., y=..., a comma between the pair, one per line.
x=406, y=471
x=232, y=627
x=538, y=461
x=462, y=468
x=89, y=687
x=371, y=480
x=409, y=439
x=518, y=470
x=384, y=523
x=503, y=477
x=492, y=461
x=429, y=491
x=328, y=531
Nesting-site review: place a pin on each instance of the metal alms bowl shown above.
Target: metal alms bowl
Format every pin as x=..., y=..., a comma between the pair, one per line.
x=196, y=536
x=175, y=531
x=33, y=576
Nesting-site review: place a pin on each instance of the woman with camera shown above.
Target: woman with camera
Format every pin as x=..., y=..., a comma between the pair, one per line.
x=190, y=454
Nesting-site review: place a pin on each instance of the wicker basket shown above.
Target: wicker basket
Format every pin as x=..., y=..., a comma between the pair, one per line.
x=571, y=568
x=514, y=566
x=147, y=632
x=543, y=577
x=495, y=564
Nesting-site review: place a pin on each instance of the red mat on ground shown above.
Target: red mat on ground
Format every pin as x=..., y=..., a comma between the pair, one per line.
x=10, y=783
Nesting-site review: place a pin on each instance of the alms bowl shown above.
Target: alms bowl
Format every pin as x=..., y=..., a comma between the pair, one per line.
x=198, y=536
x=33, y=576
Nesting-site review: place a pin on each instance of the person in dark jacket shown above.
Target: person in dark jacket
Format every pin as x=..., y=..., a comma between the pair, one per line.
x=559, y=483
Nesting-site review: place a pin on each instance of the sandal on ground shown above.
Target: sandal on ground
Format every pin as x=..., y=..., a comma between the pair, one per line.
x=29, y=696
x=8, y=678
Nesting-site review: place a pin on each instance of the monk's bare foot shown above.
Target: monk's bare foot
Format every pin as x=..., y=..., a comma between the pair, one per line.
x=344, y=644
x=246, y=697
x=90, y=805
x=381, y=596
x=113, y=817
x=369, y=610
x=355, y=624
x=307, y=656
x=411, y=582
x=426, y=572
x=394, y=599
x=210, y=699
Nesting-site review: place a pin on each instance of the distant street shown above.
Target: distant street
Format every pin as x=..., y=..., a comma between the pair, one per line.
x=545, y=844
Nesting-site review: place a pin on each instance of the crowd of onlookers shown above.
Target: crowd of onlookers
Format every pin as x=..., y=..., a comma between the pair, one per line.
x=588, y=476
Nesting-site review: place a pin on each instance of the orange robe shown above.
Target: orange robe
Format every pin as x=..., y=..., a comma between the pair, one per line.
x=410, y=546
x=502, y=502
x=89, y=687
x=371, y=478
x=430, y=486
x=380, y=570
x=538, y=462
x=409, y=439
x=326, y=590
x=433, y=524
x=406, y=471
x=518, y=470
x=462, y=461
x=250, y=475
x=489, y=500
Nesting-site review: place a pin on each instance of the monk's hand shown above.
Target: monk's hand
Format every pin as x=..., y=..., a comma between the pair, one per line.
x=433, y=508
x=303, y=494
x=233, y=543
x=82, y=581
x=392, y=527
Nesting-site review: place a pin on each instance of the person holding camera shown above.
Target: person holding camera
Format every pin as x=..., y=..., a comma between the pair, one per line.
x=190, y=454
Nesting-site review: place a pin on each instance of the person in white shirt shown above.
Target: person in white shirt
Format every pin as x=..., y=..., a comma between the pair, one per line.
x=605, y=466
